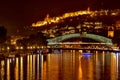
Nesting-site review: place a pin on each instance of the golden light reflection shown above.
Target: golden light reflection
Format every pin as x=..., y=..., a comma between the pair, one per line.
x=97, y=66
x=21, y=68
x=73, y=62
x=34, y=56
x=117, y=57
x=8, y=69
x=38, y=67
x=52, y=67
x=80, y=69
x=103, y=61
x=31, y=68
x=113, y=67
x=90, y=72
x=44, y=69
x=17, y=69
x=28, y=67
x=2, y=70
x=68, y=66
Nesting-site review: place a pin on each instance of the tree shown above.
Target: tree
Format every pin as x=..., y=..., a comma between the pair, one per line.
x=41, y=39
x=34, y=40
x=3, y=34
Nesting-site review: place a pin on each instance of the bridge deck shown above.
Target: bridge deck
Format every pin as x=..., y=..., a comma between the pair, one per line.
x=97, y=49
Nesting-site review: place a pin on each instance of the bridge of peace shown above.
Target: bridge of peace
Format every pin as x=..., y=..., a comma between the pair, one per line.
x=80, y=32
x=63, y=42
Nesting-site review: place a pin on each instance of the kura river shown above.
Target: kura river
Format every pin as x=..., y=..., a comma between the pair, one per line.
x=62, y=65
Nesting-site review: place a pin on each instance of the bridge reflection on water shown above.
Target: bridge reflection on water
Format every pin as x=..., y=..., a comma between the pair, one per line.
x=62, y=65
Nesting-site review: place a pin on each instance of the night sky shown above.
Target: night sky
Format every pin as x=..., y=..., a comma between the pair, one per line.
x=14, y=14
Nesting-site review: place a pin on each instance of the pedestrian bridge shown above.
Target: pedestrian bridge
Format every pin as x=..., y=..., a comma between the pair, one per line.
x=95, y=37
x=92, y=49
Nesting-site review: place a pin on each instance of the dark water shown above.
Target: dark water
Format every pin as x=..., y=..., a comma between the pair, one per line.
x=64, y=65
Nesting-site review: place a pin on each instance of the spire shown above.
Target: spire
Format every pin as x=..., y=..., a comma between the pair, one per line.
x=47, y=17
x=88, y=9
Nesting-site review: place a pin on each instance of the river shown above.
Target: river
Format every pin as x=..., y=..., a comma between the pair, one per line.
x=62, y=65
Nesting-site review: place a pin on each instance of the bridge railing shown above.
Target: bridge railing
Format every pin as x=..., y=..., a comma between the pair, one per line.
x=53, y=43
x=83, y=45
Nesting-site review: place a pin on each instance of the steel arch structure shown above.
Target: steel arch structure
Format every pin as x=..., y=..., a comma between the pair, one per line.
x=95, y=37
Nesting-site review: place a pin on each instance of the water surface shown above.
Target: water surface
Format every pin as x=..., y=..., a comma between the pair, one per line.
x=62, y=65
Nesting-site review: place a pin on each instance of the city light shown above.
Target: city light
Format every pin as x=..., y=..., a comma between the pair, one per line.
x=8, y=48
x=49, y=20
x=57, y=19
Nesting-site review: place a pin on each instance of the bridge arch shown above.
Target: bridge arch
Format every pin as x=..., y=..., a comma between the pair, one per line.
x=98, y=38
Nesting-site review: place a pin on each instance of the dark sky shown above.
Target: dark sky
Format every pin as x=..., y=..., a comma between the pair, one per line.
x=18, y=13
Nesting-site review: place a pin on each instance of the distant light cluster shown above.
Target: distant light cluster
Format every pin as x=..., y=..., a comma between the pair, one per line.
x=48, y=20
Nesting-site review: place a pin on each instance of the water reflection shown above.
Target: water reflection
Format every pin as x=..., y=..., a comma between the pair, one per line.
x=38, y=67
x=2, y=73
x=8, y=69
x=17, y=69
x=33, y=67
x=64, y=65
x=87, y=67
x=28, y=64
x=21, y=68
x=44, y=68
x=113, y=67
